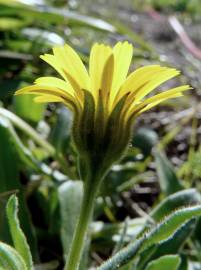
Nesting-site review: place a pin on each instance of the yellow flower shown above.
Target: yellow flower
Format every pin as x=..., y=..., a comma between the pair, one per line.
x=105, y=101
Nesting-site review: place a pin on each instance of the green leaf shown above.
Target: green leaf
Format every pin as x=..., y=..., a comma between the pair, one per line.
x=29, y=110
x=18, y=237
x=70, y=196
x=145, y=139
x=174, y=201
x=168, y=227
x=10, y=259
x=170, y=246
x=158, y=234
x=168, y=180
x=10, y=182
x=168, y=262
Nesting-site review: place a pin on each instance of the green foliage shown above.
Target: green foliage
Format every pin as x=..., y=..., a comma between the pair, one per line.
x=167, y=262
x=163, y=231
x=70, y=193
x=18, y=237
x=10, y=259
x=26, y=108
x=145, y=139
x=147, y=212
x=19, y=257
x=9, y=175
x=167, y=177
x=174, y=201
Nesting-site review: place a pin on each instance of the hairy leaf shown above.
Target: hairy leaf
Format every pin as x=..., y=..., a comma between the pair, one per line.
x=10, y=259
x=18, y=237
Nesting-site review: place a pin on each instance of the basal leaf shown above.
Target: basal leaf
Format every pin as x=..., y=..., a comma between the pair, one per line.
x=165, y=262
x=174, y=201
x=158, y=234
x=70, y=195
x=170, y=246
x=18, y=237
x=10, y=259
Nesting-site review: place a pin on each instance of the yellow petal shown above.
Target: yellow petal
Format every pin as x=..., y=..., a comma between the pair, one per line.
x=153, y=104
x=57, y=83
x=42, y=89
x=48, y=91
x=47, y=99
x=136, y=81
x=107, y=79
x=168, y=93
x=174, y=92
x=72, y=66
x=123, y=53
x=98, y=57
x=139, y=78
x=50, y=98
x=155, y=82
x=52, y=61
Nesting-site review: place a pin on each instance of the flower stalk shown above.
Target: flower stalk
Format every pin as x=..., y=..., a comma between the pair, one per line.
x=92, y=180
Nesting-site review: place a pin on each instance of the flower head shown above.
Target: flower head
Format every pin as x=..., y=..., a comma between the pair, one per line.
x=105, y=100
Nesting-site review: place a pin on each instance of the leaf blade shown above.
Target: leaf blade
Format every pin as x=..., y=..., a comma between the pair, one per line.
x=166, y=262
x=10, y=258
x=18, y=237
x=160, y=233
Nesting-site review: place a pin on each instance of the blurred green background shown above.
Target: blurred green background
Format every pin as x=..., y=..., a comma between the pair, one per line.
x=161, y=170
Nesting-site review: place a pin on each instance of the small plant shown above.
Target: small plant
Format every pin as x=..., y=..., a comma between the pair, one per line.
x=105, y=103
